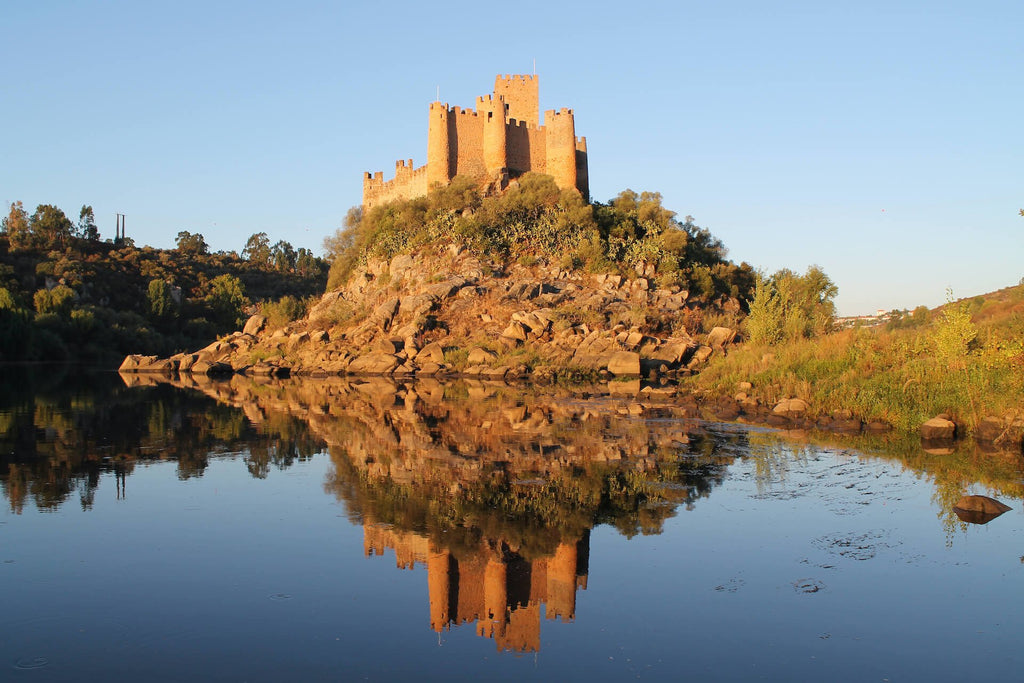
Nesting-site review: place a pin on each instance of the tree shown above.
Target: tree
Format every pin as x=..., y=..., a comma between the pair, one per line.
x=767, y=312
x=306, y=264
x=283, y=256
x=49, y=226
x=57, y=300
x=788, y=306
x=257, y=249
x=15, y=328
x=87, y=224
x=227, y=300
x=159, y=300
x=191, y=244
x=15, y=226
x=954, y=334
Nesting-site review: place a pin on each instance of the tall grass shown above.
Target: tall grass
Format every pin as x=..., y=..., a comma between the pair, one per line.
x=902, y=376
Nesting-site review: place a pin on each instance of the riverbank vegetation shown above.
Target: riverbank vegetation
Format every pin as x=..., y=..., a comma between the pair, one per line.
x=965, y=359
x=65, y=294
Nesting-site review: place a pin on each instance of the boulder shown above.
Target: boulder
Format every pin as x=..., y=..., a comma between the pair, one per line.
x=672, y=351
x=720, y=337
x=134, y=362
x=700, y=356
x=979, y=509
x=524, y=291
x=938, y=429
x=429, y=369
x=479, y=356
x=446, y=289
x=431, y=353
x=982, y=504
x=791, y=407
x=211, y=368
x=385, y=313
x=255, y=325
x=400, y=265
x=374, y=363
x=990, y=429
x=515, y=330
x=624, y=363
x=185, y=361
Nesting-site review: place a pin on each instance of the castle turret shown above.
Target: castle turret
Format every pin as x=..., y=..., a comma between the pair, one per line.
x=521, y=95
x=492, y=622
x=438, y=578
x=492, y=110
x=582, y=172
x=560, y=144
x=439, y=158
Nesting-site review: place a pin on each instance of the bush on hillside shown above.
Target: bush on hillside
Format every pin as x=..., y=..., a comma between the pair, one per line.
x=533, y=220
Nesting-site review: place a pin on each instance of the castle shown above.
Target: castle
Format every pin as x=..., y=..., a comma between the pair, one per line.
x=499, y=141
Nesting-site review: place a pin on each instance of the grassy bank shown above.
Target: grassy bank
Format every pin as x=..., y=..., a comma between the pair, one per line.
x=966, y=359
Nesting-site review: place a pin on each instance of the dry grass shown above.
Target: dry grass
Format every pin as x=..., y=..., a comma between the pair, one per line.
x=891, y=375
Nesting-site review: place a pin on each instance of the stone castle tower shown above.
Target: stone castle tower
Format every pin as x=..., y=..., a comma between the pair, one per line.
x=499, y=141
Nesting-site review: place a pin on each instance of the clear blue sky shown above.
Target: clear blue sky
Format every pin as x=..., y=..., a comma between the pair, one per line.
x=880, y=140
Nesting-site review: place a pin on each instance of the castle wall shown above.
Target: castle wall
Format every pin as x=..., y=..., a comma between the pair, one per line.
x=525, y=148
x=469, y=143
x=408, y=182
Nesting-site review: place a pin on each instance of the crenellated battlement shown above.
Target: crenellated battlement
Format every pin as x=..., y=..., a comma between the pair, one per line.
x=465, y=141
x=518, y=77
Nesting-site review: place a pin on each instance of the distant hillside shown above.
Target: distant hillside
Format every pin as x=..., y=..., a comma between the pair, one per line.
x=67, y=295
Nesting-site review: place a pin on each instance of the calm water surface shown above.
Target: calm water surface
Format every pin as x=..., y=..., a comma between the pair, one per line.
x=331, y=530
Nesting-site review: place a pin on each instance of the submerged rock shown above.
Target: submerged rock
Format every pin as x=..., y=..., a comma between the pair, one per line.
x=979, y=509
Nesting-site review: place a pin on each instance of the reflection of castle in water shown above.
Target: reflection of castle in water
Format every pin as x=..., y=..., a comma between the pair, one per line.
x=496, y=588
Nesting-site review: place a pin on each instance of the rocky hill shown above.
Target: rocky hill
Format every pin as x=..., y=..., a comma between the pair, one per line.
x=445, y=310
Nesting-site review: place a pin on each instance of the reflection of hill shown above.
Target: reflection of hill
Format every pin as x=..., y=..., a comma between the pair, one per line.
x=495, y=489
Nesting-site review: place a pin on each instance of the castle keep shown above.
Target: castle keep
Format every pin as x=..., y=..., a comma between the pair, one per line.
x=500, y=140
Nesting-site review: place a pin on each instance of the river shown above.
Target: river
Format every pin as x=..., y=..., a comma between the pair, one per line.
x=346, y=530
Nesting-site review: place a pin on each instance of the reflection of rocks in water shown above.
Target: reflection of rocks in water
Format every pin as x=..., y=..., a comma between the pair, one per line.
x=491, y=585
x=979, y=509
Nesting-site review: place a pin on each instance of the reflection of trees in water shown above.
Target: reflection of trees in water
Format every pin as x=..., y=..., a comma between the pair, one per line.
x=55, y=441
x=965, y=468
x=773, y=458
x=426, y=453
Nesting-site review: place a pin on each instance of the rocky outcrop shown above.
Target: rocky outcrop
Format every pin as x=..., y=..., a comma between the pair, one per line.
x=438, y=311
x=136, y=363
